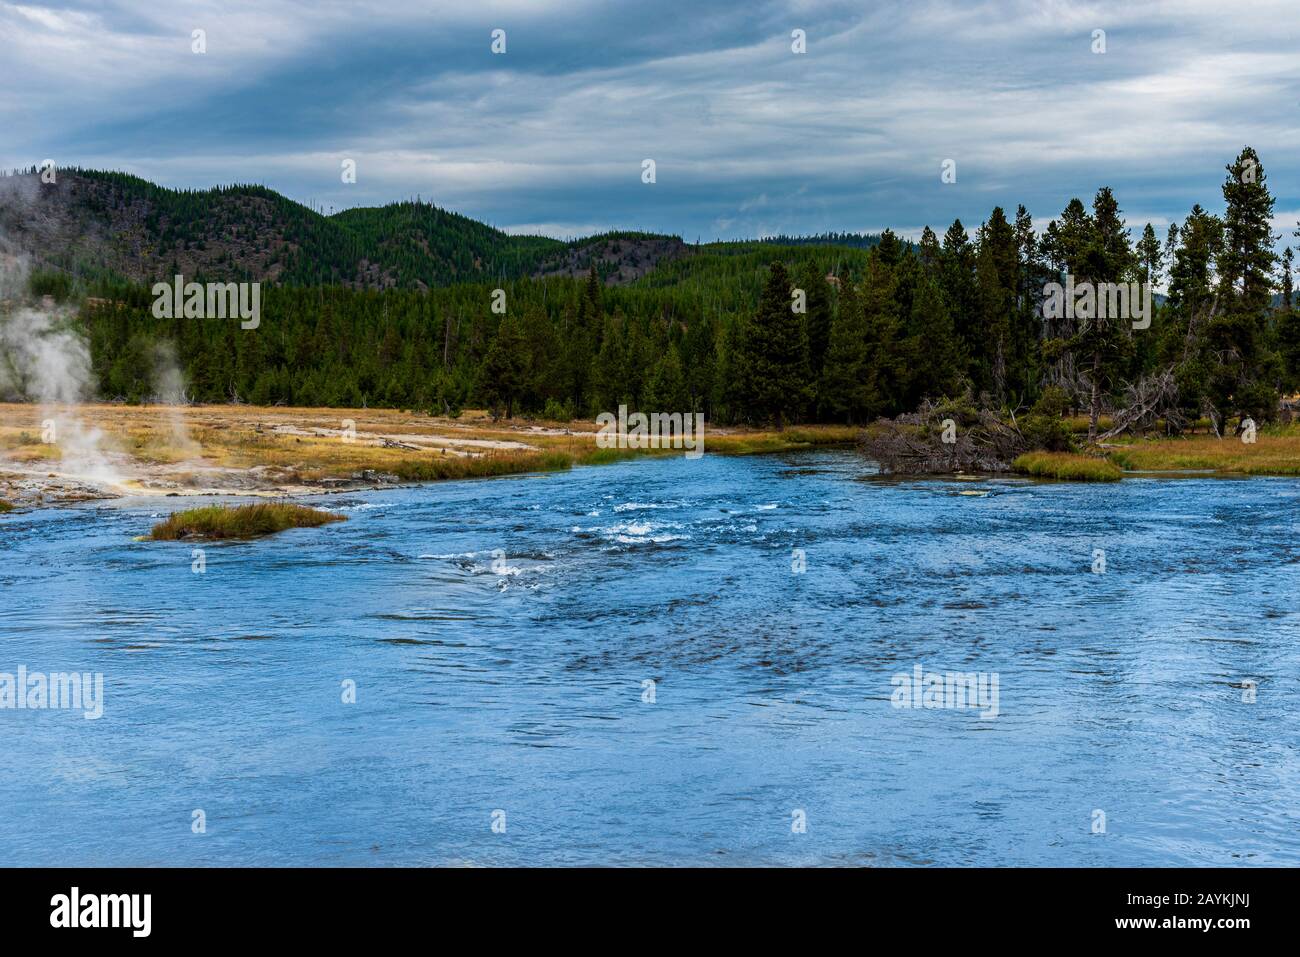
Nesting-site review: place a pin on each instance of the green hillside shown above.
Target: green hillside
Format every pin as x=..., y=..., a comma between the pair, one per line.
x=99, y=225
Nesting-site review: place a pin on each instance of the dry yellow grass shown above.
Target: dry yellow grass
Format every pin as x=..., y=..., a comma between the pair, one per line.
x=192, y=446
x=1275, y=451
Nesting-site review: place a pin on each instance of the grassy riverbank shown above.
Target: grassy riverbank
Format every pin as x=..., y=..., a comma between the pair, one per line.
x=1066, y=466
x=252, y=450
x=1275, y=451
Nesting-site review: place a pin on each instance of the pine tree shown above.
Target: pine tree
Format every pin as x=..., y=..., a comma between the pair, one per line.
x=1150, y=259
x=996, y=275
x=1288, y=325
x=1190, y=306
x=1285, y=284
x=841, y=393
x=1027, y=325
x=1245, y=368
x=885, y=367
x=929, y=253
x=637, y=361
x=772, y=360
x=889, y=249
x=961, y=292
x=732, y=386
x=504, y=375
x=1101, y=339
x=1149, y=256
x=592, y=297
x=812, y=281
x=667, y=389
x=699, y=357
x=934, y=346
x=576, y=358
x=607, y=369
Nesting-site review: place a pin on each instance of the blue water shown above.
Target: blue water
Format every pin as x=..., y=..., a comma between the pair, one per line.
x=519, y=688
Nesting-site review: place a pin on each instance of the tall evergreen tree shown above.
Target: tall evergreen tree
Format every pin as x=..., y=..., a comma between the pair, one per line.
x=812, y=280
x=1150, y=256
x=1101, y=339
x=1032, y=275
x=1192, y=301
x=638, y=362
x=504, y=377
x=592, y=294
x=996, y=267
x=1245, y=369
x=962, y=293
x=667, y=389
x=841, y=391
x=886, y=367
x=937, y=368
x=608, y=374
x=773, y=361
x=1286, y=284
x=700, y=359
x=929, y=253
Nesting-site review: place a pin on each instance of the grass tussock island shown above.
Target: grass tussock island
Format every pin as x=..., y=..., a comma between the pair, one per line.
x=5, y=506
x=241, y=521
x=1066, y=466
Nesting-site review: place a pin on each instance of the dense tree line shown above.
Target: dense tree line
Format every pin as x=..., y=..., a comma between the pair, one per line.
x=779, y=334
x=562, y=347
x=966, y=316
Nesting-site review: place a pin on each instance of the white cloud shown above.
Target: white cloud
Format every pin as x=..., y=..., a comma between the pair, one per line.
x=746, y=135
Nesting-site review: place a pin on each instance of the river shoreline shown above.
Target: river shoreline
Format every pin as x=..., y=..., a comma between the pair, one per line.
x=117, y=451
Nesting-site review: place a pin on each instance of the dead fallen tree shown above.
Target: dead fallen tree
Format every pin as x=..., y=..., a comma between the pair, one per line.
x=1156, y=398
x=1147, y=402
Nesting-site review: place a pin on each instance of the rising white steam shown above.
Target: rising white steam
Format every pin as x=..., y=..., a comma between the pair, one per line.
x=169, y=391
x=44, y=359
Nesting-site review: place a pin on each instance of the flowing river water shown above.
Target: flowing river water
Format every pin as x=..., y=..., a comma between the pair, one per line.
x=622, y=665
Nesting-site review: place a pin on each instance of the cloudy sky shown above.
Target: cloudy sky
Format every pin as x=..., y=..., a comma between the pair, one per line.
x=749, y=138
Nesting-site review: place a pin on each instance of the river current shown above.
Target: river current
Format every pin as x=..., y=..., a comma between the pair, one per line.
x=670, y=661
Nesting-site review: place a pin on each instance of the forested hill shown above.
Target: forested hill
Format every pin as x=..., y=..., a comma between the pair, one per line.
x=105, y=226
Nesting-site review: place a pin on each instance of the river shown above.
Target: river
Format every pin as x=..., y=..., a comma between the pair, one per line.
x=622, y=665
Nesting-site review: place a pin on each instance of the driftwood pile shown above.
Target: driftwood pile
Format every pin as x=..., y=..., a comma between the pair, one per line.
x=944, y=438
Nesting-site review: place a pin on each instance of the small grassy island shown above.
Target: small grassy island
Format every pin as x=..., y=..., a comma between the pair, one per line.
x=5, y=506
x=241, y=521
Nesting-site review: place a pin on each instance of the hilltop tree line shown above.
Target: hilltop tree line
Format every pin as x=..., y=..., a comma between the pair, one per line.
x=781, y=334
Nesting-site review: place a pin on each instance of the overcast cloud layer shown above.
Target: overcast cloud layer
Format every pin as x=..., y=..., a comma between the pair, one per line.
x=748, y=137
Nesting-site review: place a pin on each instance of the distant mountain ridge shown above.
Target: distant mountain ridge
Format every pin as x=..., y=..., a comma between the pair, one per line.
x=91, y=222
x=101, y=224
